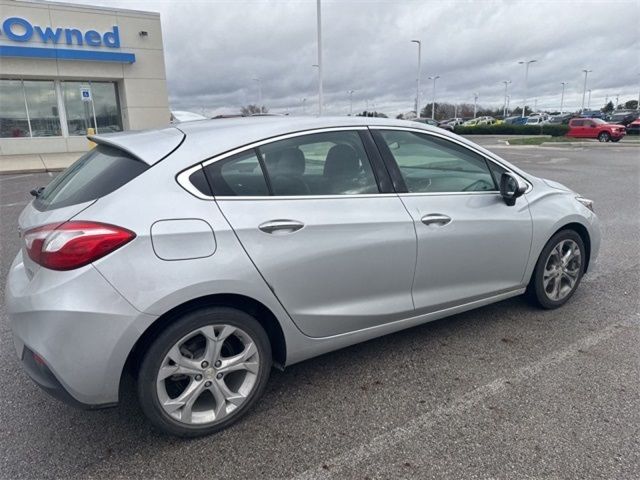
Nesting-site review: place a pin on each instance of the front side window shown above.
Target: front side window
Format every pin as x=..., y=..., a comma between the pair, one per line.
x=430, y=164
x=330, y=163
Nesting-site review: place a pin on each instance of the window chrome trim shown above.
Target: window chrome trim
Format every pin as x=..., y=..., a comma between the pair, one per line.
x=183, y=177
x=303, y=197
x=183, y=180
x=276, y=139
x=491, y=158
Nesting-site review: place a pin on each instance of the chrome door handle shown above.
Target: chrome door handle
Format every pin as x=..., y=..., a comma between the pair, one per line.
x=436, y=219
x=284, y=226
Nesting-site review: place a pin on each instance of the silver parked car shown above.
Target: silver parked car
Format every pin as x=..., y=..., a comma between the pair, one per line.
x=199, y=256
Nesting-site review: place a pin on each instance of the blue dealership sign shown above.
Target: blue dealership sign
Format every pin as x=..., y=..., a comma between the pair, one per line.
x=19, y=30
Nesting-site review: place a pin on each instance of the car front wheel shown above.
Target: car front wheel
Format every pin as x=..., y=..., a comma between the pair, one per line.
x=559, y=270
x=604, y=137
x=204, y=371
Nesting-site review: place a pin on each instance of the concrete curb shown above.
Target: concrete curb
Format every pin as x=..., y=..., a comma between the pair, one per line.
x=37, y=163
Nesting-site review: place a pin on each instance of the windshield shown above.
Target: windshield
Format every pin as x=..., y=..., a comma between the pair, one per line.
x=598, y=121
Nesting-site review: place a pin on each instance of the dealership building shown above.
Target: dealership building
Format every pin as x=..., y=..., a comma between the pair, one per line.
x=65, y=69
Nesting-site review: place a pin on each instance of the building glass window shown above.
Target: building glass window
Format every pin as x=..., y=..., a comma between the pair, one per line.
x=13, y=111
x=100, y=112
x=107, y=108
x=43, y=108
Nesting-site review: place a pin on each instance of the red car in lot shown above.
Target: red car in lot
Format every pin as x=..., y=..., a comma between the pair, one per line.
x=595, y=128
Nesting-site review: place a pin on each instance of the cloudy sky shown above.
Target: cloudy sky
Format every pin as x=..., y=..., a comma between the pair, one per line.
x=215, y=49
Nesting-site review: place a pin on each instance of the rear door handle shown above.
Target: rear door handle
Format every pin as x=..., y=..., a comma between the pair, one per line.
x=436, y=219
x=282, y=226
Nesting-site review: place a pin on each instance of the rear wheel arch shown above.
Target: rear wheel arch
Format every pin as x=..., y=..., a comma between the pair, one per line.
x=259, y=311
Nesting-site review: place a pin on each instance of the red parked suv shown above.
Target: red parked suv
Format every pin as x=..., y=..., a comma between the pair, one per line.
x=595, y=128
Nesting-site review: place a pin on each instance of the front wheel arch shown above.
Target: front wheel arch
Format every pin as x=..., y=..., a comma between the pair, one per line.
x=586, y=240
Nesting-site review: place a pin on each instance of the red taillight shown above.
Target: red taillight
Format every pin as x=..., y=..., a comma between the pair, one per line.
x=74, y=244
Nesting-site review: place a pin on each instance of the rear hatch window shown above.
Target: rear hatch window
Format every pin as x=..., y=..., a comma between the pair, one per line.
x=96, y=174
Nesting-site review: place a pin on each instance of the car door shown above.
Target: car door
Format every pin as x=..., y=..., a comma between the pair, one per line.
x=471, y=245
x=321, y=223
x=578, y=128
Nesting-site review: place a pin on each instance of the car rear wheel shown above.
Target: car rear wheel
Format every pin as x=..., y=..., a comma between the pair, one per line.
x=204, y=371
x=559, y=270
x=604, y=137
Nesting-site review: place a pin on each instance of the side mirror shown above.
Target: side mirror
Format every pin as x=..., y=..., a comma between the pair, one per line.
x=511, y=188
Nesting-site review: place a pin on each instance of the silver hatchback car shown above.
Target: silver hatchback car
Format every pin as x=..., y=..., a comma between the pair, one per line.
x=197, y=257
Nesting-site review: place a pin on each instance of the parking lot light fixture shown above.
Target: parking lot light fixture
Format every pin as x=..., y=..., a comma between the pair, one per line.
x=350, y=92
x=584, y=88
x=475, y=105
x=562, y=98
x=433, y=103
x=418, y=76
x=319, y=65
x=526, y=64
x=506, y=94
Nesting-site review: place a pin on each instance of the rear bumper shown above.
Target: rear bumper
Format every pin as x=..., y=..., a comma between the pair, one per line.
x=79, y=325
x=42, y=375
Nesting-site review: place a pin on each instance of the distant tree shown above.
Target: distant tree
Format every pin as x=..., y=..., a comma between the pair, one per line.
x=400, y=116
x=518, y=111
x=631, y=105
x=371, y=114
x=608, y=107
x=253, y=109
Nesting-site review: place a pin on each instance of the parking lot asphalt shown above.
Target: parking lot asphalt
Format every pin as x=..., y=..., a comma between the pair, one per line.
x=506, y=391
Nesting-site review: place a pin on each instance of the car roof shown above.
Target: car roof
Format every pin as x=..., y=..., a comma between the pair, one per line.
x=207, y=138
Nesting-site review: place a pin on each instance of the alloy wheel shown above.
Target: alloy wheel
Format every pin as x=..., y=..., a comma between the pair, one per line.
x=562, y=270
x=208, y=374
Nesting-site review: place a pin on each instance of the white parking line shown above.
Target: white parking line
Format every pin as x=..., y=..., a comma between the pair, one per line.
x=378, y=445
x=13, y=204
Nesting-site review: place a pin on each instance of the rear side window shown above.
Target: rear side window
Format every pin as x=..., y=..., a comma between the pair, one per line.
x=97, y=173
x=238, y=175
x=330, y=163
x=577, y=123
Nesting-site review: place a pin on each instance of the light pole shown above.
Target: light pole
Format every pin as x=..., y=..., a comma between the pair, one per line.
x=526, y=63
x=506, y=87
x=257, y=79
x=584, y=88
x=304, y=105
x=433, y=104
x=562, y=98
x=319, y=18
x=589, y=100
x=617, y=97
x=508, y=101
x=418, y=77
x=350, y=92
x=475, y=104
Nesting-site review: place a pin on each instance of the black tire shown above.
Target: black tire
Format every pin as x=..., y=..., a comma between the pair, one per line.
x=535, y=290
x=604, y=137
x=146, y=384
